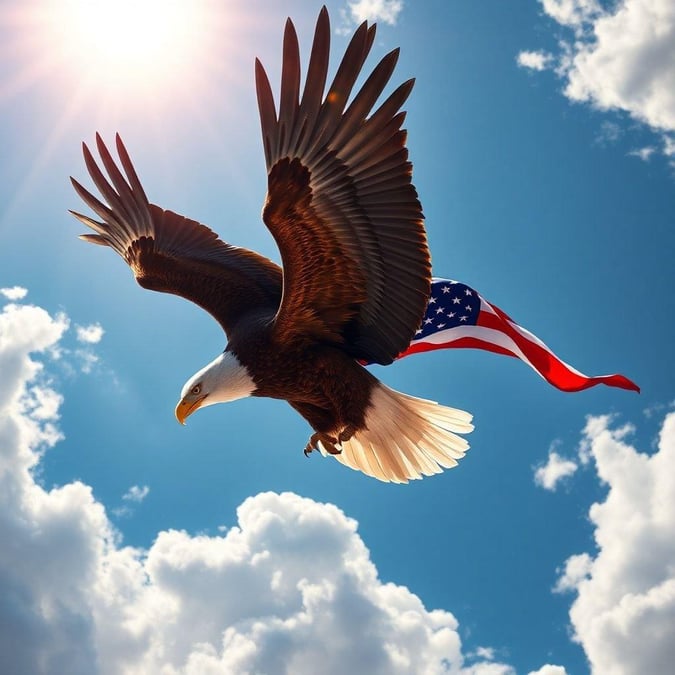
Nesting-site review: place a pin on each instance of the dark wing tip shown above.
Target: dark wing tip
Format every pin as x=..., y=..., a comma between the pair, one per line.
x=121, y=148
x=323, y=19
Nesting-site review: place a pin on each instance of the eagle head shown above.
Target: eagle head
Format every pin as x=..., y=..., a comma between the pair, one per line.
x=224, y=379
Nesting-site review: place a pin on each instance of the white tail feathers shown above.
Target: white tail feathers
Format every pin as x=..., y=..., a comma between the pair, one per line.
x=405, y=438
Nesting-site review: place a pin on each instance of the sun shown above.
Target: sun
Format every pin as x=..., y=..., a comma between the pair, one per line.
x=127, y=43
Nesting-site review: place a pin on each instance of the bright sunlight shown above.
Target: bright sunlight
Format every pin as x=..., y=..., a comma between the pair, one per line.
x=127, y=42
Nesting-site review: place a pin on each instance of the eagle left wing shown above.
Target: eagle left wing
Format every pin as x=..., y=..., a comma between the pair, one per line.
x=173, y=254
x=340, y=202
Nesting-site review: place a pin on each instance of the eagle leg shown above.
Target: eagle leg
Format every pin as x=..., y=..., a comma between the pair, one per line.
x=326, y=440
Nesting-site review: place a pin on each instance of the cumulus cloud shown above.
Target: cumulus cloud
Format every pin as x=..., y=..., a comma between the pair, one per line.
x=14, y=293
x=556, y=468
x=386, y=11
x=624, y=611
x=620, y=57
x=289, y=588
x=91, y=334
x=577, y=568
x=573, y=13
x=548, y=669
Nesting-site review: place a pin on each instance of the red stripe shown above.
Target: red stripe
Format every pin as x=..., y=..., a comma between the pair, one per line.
x=551, y=368
x=547, y=363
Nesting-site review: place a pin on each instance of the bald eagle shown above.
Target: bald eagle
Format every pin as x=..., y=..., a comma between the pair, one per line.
x=356, y=268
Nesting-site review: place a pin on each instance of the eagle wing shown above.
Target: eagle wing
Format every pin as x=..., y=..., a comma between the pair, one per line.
x=173, y=254
x=340, y=202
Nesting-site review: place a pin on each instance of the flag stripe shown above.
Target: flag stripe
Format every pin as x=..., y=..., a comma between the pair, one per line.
x=455, y=320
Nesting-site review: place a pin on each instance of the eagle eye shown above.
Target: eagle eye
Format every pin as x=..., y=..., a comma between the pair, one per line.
x=196, y=389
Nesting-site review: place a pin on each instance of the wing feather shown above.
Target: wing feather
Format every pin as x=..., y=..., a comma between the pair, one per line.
x=340, y=200
x=170, y=253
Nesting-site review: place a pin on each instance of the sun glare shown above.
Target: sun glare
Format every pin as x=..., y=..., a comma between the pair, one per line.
x=127, y=41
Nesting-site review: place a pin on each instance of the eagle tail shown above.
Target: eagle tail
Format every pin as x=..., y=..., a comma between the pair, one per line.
x=405, y=437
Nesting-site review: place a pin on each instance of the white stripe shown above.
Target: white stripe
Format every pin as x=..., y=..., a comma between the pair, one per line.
x=533, y=338
x=494, y=336
x=490, y=335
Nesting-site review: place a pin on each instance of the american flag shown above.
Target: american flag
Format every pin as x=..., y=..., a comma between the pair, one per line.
x=457, y=316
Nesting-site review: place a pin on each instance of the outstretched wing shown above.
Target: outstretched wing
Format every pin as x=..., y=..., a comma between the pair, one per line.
x=341, y=204
x=170, y=253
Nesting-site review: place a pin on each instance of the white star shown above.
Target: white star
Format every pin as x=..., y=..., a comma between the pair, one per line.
x=468, y=308
x=427, y=321
x=432, y=300
x=446, y=289
x=456, y=301
x=418, y=331
x=439, y=310
x=451, y=314
x=440, y=325
x=463, y=318
x=468, y=292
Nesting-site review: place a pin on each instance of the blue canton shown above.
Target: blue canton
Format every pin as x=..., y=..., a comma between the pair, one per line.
x=451, y=304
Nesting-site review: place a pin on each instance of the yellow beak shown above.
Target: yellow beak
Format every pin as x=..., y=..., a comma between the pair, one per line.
x=187, y=406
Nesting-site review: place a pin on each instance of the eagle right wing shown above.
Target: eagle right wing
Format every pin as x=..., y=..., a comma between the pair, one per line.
x=173, y=254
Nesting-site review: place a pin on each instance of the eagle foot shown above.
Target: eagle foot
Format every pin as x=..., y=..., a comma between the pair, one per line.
x=329, y=443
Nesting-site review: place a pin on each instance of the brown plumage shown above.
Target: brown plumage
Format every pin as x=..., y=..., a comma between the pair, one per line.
x=356, y=270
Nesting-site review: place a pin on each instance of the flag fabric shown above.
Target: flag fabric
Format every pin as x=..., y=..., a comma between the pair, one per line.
x=457, y=316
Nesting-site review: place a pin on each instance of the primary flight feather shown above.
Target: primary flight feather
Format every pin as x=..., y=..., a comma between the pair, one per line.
x=356, y=270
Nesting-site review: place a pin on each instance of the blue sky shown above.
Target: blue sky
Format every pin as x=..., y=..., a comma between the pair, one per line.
x=543, y=140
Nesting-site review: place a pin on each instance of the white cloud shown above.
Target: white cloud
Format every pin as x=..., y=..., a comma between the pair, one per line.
x=619, y=58
x=573, y=13
x=86, y=359
x=548, y=669
x=658, y=409
x=533, y=60
x=629, y=64
x=14, y=293
x=487, y=653
x=643, y=153
x=577, y=568
x=668, y=146
x=386, y=11
x=290, y=588
x=556, y=468
x=624, y=611
x=136, y=494
x=91, y=334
